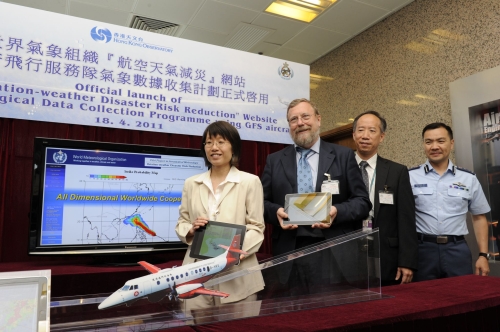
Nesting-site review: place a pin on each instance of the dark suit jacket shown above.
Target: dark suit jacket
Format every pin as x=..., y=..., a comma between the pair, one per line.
x=396, y=223
x=280, y=178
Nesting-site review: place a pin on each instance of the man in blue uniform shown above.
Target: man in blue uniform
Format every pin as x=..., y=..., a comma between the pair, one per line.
x=444, y=193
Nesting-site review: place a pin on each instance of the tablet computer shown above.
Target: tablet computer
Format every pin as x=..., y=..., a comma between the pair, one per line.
x=207, y=239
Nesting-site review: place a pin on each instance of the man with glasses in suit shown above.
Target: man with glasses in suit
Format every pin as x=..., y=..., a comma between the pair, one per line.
x=301, y=168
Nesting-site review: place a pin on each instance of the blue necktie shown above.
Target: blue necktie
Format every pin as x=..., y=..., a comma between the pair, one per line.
x=304, y=176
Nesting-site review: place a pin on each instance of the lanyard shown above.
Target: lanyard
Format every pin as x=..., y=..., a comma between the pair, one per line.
x=373, y=179
x=372, y=211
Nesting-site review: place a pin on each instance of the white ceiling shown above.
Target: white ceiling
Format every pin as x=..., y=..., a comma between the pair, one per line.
x=217, y=21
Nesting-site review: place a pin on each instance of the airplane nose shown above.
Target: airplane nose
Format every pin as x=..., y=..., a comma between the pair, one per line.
x=104, y=304
x=112, y=300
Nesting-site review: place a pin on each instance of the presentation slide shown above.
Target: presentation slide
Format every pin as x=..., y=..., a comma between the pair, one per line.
x=100, y=197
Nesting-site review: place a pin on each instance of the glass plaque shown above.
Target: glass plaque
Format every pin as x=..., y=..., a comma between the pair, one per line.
x=308, y=209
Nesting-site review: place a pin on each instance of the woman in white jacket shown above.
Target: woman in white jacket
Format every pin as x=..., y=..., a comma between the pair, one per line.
x=224, y=194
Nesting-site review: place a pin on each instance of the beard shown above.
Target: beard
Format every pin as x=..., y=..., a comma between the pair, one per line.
x=305, y=141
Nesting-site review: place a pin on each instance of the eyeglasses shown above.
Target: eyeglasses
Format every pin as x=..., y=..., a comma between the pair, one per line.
x=210, y=144
x=295, y=119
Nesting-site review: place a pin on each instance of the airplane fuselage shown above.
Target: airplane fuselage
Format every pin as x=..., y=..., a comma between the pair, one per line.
x=184, y=279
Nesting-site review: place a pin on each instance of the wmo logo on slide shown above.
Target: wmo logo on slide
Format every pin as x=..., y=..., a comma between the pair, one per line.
x=100, y=34
x=60, y=157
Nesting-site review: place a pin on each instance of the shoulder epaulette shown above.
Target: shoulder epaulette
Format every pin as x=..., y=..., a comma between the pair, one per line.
x=414, y=167
x=466, y=170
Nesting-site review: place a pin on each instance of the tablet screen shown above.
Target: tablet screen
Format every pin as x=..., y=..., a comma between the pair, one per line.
x=207, y=239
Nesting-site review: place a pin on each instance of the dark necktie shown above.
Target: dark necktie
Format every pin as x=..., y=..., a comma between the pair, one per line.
x=304, y=176
x=364, y=173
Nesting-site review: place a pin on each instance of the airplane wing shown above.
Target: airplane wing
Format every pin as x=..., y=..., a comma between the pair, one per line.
x=233, y=250
x=204, y=291
x=150, y=267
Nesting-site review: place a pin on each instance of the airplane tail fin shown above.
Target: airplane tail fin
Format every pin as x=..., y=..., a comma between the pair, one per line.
x=235, y=247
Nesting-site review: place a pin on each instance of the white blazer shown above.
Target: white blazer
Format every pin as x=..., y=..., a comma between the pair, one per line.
x=241, y=203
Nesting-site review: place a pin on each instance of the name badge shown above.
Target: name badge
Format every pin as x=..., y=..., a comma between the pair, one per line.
x=386, y=197
x=331, y=186
x=367, y=225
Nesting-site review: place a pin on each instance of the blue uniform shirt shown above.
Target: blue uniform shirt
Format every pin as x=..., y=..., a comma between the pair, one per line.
x=442, y=202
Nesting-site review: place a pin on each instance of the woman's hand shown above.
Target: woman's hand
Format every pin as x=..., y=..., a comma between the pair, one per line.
x=197, y=223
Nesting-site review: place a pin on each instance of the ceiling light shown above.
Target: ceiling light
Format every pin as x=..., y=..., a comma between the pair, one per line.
x=305, y=3
x=302, y=10
x=432, y=41
x=407, y=102
x=316, y=80
x=448, y=34
x=319, y=78
x=425, y=97
x=437, y=38
x=422, y=48
x=313, y=86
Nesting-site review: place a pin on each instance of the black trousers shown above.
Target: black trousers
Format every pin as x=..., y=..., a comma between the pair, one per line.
x=443, y=260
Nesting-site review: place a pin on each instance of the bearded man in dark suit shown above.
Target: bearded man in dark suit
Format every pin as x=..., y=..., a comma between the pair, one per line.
x=349, y=206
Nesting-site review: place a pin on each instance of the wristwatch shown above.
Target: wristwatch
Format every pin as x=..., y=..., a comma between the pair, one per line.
x=485, y=255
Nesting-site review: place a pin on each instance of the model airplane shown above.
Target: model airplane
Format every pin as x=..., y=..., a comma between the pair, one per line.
x=491, y=137
x=182, y=282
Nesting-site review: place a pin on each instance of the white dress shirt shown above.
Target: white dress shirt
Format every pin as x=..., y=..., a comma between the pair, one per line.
x=214, y=195
x=371, y=169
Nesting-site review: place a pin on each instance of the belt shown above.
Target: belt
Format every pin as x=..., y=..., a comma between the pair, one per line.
x=441, y=239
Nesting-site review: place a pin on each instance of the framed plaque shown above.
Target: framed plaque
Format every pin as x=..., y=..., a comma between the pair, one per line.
x=207, y=239
x=308, y=209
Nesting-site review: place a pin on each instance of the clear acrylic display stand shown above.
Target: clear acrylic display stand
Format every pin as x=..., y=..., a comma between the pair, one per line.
x=341, y=270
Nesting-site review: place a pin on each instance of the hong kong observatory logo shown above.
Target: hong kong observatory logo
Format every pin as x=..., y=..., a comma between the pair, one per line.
x=285, y=71
x=100, y=34
x=60, y=157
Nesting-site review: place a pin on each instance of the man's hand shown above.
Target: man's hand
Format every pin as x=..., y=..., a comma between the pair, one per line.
x=281, y=214
x=333, y=214
x=322, y=225
x=405, y=274
x=482, y=266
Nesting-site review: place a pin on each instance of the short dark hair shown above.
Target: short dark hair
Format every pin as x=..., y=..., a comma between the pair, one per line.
x=436, y=125
x=295, y=102
x=383, y=123
x=228, y=132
